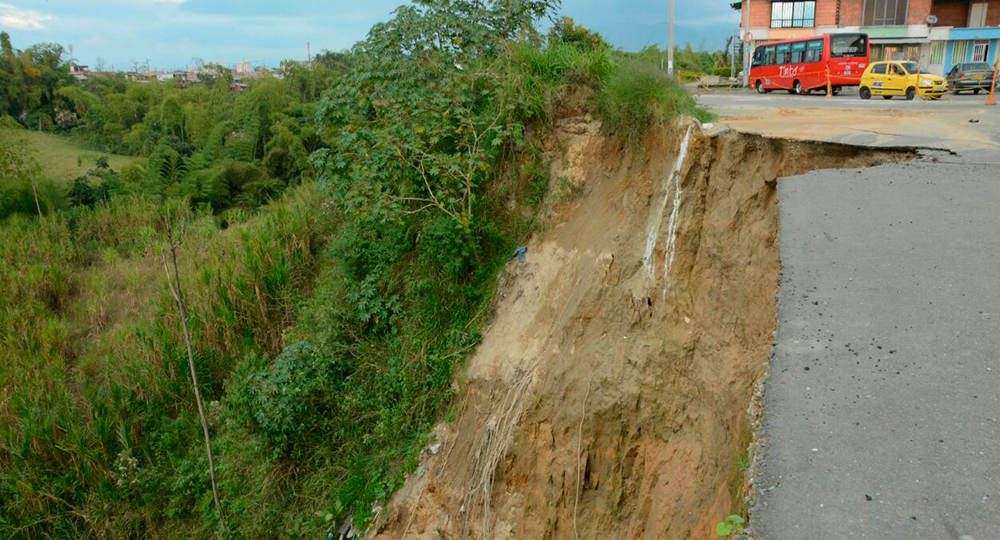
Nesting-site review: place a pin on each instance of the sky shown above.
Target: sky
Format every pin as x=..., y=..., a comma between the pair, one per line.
x=173, y=34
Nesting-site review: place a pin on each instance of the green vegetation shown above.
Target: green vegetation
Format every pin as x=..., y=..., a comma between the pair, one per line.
x=62, y=158
x=691, y=63
x=637, y=96
x=732, y=525
x=341, y=233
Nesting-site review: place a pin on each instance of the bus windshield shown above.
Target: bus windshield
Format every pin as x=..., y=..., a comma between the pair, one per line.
x=848, y=45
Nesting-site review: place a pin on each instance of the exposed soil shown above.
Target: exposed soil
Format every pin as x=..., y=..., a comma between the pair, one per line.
x=609, y=396
x=884, y=126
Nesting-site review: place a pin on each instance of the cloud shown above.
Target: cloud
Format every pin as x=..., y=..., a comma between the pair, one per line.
x=22, y=19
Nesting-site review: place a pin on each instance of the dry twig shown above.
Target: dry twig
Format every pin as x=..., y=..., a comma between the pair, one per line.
x=175, y=290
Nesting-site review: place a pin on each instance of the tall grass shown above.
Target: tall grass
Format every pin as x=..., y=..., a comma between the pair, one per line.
x=637, y=96
x=95, y=409
x=632, y=93
x=563, y=63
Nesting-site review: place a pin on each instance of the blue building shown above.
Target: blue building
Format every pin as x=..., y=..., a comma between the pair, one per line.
x=971, y=45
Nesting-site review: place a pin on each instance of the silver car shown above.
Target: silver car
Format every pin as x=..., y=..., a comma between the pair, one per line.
x=971, y=76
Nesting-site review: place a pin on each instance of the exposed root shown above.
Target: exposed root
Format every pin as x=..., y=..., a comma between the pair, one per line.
x=492, y=447
x=579, y=453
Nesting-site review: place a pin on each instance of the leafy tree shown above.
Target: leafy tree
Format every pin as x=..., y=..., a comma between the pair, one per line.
x=211, y=73
x=566, y=30
x=337, y=62
x=18, y=174
x=423, y=113
x=82, y=194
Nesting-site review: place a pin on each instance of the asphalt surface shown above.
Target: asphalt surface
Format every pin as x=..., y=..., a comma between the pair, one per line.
x=934, y=125
x=848, y=98
x=883, y=402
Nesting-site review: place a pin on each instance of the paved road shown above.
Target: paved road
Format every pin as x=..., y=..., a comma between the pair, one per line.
x=846, y=99
x=883, y=403
x=962, y=123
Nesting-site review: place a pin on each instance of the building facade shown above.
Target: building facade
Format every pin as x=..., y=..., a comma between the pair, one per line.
x=936, y=33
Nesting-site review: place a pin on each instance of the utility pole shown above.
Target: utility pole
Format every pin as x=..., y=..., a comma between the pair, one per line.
x=733, y=49
x=746, y=43
x=670, y=42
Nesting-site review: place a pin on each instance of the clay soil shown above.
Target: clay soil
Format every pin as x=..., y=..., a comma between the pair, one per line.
x=609, y=396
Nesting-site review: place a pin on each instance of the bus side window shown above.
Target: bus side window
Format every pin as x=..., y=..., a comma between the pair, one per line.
x=781, y=54
x=814, y=51
x=798, y=52
x=769, y=55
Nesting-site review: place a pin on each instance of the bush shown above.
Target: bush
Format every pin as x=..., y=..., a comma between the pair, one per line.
x=561, y=63
x=638, y=96
x=567, y=31
x=290, y=397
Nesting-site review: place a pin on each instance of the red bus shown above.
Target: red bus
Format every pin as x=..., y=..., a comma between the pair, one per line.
x=801, y=65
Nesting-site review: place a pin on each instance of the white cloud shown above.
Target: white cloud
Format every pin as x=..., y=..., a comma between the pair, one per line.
x=22, y=19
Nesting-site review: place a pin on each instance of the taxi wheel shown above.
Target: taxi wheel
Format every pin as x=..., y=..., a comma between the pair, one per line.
x=865, y=92
x=911, y=93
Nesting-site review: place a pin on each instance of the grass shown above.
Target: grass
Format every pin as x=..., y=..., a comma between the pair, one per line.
x=62, y=158
x=637, y=96
x=98, y=438
x=736, y=477
x=633, y=93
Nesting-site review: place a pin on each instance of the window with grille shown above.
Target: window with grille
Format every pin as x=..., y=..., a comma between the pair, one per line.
x=937, y=53
x=797, y=14
x=877, y=53
x=885, y=12
x=959, y=52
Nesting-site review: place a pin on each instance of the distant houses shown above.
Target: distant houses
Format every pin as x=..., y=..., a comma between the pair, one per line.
x=242, y=74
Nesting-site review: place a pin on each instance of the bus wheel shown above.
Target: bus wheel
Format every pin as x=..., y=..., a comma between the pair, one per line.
x=760, y=87
x=798, y=88
x=911, y=93
x=976, y=91
x=865, y=92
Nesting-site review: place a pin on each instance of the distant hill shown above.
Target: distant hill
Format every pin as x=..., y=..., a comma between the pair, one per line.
x=633, y=37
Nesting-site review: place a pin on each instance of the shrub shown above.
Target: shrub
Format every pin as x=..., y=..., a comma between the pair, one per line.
x=567, y=31
x=637, y=96
x=291, y=396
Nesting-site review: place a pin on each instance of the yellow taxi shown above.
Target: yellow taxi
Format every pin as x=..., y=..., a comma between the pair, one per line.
x=898, y=78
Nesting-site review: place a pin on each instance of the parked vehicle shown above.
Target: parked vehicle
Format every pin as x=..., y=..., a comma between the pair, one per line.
x=973, y=76
x=802, y=65
x=908, y=79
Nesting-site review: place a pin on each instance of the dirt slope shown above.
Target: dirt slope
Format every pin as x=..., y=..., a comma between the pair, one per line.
x=608, y=398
